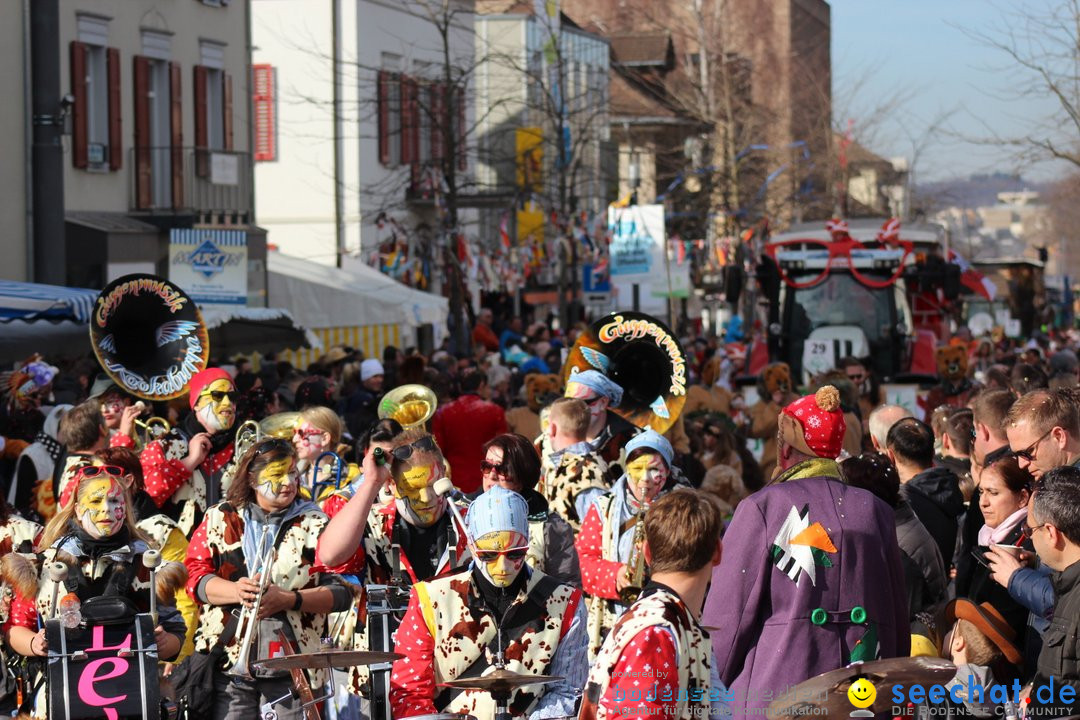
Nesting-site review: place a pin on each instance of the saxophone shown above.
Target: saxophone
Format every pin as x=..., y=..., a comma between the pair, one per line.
x=635, y=566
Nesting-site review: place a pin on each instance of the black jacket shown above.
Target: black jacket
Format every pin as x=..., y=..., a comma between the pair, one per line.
x=924, y=570
x=983, y=588
x=1060, y=656
x=935, y=497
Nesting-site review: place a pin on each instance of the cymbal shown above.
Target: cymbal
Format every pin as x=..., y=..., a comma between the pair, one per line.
x=829, y=690
x=327, y=659
x=500, y=680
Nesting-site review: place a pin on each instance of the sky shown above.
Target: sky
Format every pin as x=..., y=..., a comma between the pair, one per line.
x=920, y=48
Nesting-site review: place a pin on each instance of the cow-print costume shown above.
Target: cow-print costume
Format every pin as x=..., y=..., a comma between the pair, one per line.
x=657, y=635
x=449, y=632
x=180, y=494
x=561, y=483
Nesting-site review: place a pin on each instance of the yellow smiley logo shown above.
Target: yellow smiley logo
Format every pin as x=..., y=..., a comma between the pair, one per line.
x=862, y=693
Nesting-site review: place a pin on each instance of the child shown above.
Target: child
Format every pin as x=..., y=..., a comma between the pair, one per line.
x=979, y=639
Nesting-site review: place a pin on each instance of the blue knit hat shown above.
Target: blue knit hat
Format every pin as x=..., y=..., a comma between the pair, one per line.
x=654, y=441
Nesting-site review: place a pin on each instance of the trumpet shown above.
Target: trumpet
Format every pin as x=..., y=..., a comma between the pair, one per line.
x=635, y=566
x=247, y=626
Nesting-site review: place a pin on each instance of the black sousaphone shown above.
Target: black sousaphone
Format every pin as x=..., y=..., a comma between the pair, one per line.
x=149, y=336
x=640, y=354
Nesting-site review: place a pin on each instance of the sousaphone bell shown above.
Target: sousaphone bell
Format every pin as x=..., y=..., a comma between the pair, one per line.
x=410, y=405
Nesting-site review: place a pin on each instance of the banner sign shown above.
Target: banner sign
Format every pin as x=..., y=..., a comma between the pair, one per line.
x=636, y=234
x=210, y=265
x=111, y=677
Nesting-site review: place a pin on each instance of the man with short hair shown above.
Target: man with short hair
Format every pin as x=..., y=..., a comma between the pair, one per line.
x=1053, y=524
x=1044, y=431
x=573, y=473
x=881, y=419
x=800, y=555
x=82, y=433
x=933, y=492
x=482, y=333
x=462, y=426
x=661, y=629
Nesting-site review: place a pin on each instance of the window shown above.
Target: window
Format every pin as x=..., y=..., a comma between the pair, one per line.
x=389, y=99
x=213, y=98
x=95, y=85
x=264, y=78
x=159, y=136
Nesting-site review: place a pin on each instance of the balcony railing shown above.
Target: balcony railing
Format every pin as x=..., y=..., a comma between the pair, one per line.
x=210, y=182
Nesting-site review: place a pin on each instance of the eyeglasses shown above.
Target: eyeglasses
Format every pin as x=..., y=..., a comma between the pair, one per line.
x=424, y=444
x=305, y=434
x=857, y=377
x=88, y=471
x=500, y=469
x=512, y=554
x=1029, y=452
x=219, y=395
x=840, y=253
x=1028, y=532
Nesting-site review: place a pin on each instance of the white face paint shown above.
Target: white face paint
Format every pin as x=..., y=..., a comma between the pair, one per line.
x=501, y=556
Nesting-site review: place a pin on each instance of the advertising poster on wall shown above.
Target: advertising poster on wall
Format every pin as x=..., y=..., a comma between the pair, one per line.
x=210, y=265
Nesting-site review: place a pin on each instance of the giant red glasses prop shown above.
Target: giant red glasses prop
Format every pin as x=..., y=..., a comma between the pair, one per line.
x=840, y=248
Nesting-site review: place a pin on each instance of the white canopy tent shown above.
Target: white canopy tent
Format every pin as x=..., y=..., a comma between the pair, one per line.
x=356, y=305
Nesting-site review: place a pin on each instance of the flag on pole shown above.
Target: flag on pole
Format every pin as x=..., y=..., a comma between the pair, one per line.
x=972, y=278
x=504, y=231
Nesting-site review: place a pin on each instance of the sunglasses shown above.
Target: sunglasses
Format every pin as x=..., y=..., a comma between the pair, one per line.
x=88, y=471
x=267, y=445
x=500, y=469
x=1029, y=452
x=857, y=378
x=424, y=444
x=305, y=434
x=512, y=554
x=219, y=395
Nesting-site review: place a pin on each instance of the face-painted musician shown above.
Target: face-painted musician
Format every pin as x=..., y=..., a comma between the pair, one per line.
x=95, y=536
x=226, y=564
x=319, y=431
x=185, y=469
x=450, y=629
x=610, y=536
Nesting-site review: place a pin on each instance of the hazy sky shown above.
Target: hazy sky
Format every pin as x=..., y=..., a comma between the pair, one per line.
x=920, y=48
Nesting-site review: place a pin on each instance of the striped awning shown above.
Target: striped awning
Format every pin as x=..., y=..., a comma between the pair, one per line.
x=33, y=301
x=372, y=339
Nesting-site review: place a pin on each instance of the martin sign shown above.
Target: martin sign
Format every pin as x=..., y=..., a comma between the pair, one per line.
x=210, y=265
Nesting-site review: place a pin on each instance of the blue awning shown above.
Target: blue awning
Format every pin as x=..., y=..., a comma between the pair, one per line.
x=32, y=301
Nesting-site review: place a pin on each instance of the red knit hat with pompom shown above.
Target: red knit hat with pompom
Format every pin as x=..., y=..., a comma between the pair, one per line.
x=814, y=424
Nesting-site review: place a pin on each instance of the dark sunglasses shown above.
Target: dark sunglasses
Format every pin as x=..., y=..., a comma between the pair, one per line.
x=424, y=444
x=269, y=444
x=219, y=395
x=1028, y=453
x=88, y=471
x=490, y=556
x=500, y=469
x=592, y=401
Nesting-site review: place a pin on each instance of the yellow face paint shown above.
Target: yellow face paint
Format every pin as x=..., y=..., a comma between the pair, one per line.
x=216, y=415
x=501, y=556
x=413, y=487
x=277, y=482
x=647, y=474
x=101, y=508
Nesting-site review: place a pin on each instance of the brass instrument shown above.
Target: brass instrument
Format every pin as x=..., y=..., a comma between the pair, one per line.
x=635, y=566
x=247, y=626
x=246, y=435
x=410, y=405
x=279, y=425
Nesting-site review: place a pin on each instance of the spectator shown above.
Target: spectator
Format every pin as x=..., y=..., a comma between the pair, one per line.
x=934, y=492
x=1044, y=431
x=462, y=426
x=483, y=333
x=882, y=418
x=1025, y=378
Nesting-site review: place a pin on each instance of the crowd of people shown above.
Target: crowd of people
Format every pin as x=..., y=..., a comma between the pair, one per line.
x=770, y=533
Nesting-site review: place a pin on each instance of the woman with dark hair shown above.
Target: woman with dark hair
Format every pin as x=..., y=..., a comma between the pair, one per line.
x=924, y=569
x=511, y=461
x=262, y=516
x=1004, y=490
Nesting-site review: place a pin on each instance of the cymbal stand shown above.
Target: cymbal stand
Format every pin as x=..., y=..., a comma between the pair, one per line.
x=267, y=711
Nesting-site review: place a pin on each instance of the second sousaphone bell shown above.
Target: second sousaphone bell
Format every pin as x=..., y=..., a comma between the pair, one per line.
x=410, y=405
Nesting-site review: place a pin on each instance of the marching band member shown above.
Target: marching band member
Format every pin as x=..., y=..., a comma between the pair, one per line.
x=119, y=411
x=510, y=461
x=225, y=560
x=320, y=430
x=82, y=433
x=574, y=475
x=662, y=628
x=607, y=431
x=451, y=627
x=610, y=537
x=31, y=488
x=95, y=535
x=185, y=470
x=160, y=529
x=415, y=518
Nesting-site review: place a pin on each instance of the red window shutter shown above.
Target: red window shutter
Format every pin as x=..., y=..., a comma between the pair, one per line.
x=263, y=107
x=382, y=91
x=116, y=134
x=177, y=128
x=79, y=118
x=410, y=134
x=143, y=179
x=200, y=107
x=227, y=109
x=462, y=131
x=439, y=120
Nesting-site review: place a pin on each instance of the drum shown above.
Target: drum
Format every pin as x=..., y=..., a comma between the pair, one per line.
x=385, y=608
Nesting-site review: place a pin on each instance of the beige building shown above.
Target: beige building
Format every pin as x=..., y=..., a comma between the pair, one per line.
x=157, y=137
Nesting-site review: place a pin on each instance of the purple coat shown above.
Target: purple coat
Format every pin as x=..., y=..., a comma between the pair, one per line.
x=792, y=548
